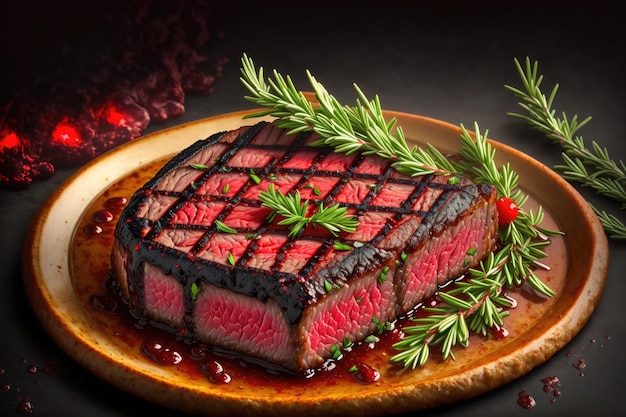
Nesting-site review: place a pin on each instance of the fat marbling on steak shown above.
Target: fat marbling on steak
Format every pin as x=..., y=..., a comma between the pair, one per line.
x=289, y=300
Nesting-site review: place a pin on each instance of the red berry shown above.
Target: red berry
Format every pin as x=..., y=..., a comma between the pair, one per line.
x=507, y=210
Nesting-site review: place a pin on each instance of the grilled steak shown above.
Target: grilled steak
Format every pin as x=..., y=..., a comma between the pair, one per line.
x=289, y=300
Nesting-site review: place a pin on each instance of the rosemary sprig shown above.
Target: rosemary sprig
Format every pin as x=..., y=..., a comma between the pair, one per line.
x=481, y=303
x=592, y=168
x=363, y=129
x=475, y=305
x=348, y=129
x=334, y=218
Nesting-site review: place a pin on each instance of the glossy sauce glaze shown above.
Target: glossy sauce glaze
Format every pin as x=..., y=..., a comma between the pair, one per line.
x=363, y=363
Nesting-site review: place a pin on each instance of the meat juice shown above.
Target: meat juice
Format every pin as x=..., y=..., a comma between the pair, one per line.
x=363, y=363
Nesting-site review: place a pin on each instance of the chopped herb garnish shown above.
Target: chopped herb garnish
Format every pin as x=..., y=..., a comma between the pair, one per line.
x=471, y=251
x=223, y=228
x=347, y=343
x=335, y=351
x=226, y=169
x=453, y=180
x=353, y=369
x=231, y=258
x=328, y=286
x=254, y=177
x=317, y=191
x=195, y=290
x=358, y=299
x=193, y=185
x=225, y=189
x=341, y=246
x=383, y=275
x=403, y=256
x=198, y=166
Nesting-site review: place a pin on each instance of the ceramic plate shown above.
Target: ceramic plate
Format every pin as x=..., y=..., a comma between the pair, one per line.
x=59, y=290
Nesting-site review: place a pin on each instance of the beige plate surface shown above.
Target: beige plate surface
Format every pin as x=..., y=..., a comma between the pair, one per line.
x=537, y=333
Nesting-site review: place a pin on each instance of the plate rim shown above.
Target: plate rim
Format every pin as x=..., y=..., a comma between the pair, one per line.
x=51, y=317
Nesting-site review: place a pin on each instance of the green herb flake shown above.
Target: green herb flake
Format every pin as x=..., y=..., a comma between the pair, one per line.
x=347, y=343
x=195, y=290
x=328, y=286
x=335, y=351
x=341, y=246
x=374, y=187
x=358, y=299
x=353, y=369
x=403, y=256
x=224, y=228
x=317, y=191
x=371, y=339
x=471, y=251
x=193, y=185
x=383, y=275
x=254, y=177
x=226, y=169
x=454, y=180
x=198, y=166
x=225, y=189
x=231, y=258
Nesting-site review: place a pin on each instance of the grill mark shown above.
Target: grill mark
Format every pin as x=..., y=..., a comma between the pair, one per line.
x=315, y=259
x=281, y=255
x=405, y=208
x=233, y=201
x=244, y=142
x=382, y=180
x=344, y=180
x=186, y=194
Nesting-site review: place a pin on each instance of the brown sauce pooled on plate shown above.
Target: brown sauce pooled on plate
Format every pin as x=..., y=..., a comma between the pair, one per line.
x=363, y=363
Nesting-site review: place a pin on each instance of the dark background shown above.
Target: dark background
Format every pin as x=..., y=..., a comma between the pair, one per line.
x=448, y=61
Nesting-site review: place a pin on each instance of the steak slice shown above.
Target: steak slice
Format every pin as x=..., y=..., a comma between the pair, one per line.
x=292, y=300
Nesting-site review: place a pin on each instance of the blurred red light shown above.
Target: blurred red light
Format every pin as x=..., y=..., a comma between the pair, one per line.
x=9, y=141
x=66, y=134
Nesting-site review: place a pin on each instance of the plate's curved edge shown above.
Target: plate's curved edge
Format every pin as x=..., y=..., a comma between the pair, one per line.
x=402, y=398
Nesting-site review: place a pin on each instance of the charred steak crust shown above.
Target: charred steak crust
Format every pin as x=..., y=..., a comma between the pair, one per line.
x=412, y=229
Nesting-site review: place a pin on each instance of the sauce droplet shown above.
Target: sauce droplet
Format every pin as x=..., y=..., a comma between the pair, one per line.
x=160, y=352
x=104, y=303
x=214, y=371
x=102, y=216
x=365, y=374
x=93, y=229
x=25, y=407
x=498, y=332
x=526, y=400
x=116, y=202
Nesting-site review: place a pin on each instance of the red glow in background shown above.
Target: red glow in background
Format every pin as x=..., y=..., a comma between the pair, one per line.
x=90, y=94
